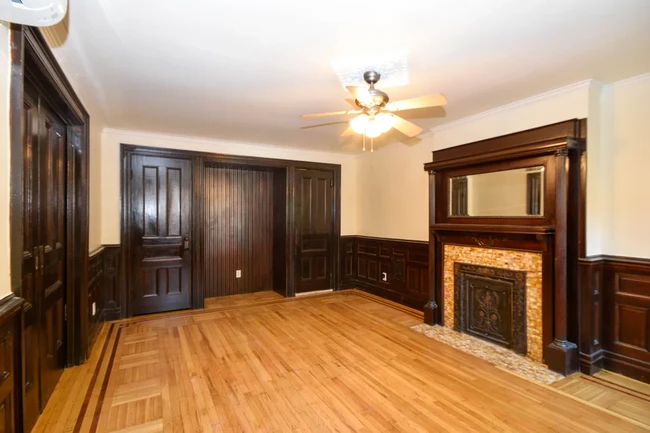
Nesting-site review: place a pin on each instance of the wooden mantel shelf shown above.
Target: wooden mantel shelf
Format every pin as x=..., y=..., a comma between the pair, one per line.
x=490, y=228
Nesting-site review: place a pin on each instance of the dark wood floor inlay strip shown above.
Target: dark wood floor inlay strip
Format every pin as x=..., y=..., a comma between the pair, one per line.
x=89, y=392
x=102, y=393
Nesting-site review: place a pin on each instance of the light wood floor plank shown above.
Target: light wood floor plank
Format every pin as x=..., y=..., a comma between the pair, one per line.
x=344, y=361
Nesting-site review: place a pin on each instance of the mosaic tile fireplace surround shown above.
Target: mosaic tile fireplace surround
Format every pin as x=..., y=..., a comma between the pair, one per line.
x=496, y=295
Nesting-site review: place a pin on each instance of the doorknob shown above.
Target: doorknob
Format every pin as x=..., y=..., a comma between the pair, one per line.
x=186, y=242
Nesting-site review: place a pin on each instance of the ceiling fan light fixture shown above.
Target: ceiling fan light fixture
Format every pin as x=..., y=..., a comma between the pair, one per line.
x=359, y=123
x=374, y=128
x=384, y=121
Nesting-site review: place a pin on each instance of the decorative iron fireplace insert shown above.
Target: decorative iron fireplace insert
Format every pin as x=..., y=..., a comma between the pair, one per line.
x=490, y=303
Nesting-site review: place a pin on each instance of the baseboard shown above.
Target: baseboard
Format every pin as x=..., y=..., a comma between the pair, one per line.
x=385, y=293
x=590, y=363
x=627, y=366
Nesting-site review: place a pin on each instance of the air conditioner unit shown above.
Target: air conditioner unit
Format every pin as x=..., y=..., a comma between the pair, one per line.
x=37, y=13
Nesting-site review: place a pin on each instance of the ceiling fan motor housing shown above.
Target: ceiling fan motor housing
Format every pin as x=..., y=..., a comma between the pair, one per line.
x=377, y=97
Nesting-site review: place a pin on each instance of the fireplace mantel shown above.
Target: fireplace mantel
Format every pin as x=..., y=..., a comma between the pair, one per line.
x=557, y=233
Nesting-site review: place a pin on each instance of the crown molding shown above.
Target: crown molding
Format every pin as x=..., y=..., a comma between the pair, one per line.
x=513, y=105
x=630, y=80
x=215, y=141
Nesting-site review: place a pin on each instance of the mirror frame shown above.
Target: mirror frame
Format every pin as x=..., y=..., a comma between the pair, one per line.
x=541, y=169
x=548, y=219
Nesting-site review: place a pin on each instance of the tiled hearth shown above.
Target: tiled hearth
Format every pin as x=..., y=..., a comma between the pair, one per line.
x=528, y=264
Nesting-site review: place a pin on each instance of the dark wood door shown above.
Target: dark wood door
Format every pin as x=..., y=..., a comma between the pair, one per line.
x=315, y=229
x=160, y=227
x=52, y=140
x=43, y=268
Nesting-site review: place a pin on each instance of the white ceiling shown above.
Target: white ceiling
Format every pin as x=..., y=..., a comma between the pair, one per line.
x=246, y=70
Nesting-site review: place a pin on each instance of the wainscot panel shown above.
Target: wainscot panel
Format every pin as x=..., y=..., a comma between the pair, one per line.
x=615, y=315
x=11, y=319
x=394, y=269
x=103, y=289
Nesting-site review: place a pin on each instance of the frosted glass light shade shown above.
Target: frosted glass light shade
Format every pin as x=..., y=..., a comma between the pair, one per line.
x=359, y=123
x=384, y=121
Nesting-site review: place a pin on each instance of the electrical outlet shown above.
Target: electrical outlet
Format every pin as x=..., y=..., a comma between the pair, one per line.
x=94, y=309
x=238, y=273
x=384, y=276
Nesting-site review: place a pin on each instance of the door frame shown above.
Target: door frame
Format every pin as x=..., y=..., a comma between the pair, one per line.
x=199, y=160
x=335, y=277
x=31, y=58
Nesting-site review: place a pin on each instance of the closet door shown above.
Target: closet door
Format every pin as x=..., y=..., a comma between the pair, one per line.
x=43, y=270
x=314, y=218
x=161, y=225
x=52, y=140
x=31, y=266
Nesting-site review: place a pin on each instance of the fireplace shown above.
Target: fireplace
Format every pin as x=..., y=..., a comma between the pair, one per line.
x=506, y=229
x=479, y=279
x=490, y=303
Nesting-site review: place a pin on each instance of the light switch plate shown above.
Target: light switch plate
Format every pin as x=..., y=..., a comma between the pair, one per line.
x=384, y=276
x=238, y=273
x=94, y=309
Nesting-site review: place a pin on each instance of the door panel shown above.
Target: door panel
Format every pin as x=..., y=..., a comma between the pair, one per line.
x=52, y=234
x=43, y=269
x=314, y=221
x=161, y=207
x=31, y=260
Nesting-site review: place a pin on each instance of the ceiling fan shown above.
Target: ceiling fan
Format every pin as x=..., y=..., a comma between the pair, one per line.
x=376, y=114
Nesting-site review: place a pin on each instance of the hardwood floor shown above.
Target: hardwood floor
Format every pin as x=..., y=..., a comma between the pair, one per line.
x=344, y=361
x=611, y=391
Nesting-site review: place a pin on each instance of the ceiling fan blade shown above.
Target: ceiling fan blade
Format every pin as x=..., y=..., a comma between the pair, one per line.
x=331, y=113
x=348, y=132
x=361, y=94
x=407, y=128
x=419, y=102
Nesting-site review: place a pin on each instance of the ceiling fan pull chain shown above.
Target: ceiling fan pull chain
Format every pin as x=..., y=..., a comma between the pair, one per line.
x=364, y=141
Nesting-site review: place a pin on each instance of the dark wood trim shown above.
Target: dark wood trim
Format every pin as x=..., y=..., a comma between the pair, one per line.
x=365, y=258
x=538, y=141
x=199, y=161
x=222, y=158
x=32, y=59
x=547, y=219
x=491, y=228
x=198, y=169
x=615, y=315
x=561, y=354
x=17, y=42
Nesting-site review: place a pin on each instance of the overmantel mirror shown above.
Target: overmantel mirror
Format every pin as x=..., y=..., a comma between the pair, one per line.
x=512, y=193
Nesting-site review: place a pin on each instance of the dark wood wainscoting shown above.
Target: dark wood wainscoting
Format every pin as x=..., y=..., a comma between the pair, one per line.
x=615, y=315
x=238, y=229
x=390, y=268
x=11, y=320
x=104, y=289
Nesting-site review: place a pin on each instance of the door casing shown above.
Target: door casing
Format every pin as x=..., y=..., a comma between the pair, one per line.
x=199, y=160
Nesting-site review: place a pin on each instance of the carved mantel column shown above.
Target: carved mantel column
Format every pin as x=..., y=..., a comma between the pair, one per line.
x=562, y=354
x=431, y=309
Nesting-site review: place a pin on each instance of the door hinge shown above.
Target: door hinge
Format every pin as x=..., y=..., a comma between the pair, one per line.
x=65, y=312
x=131, y=174
x=331, y=183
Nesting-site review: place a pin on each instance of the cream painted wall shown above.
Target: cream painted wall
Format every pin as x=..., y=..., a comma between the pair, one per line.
x=393, y=187
x=625, y=186
x=110, y=181
x=5, y=66
x=57, y=39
